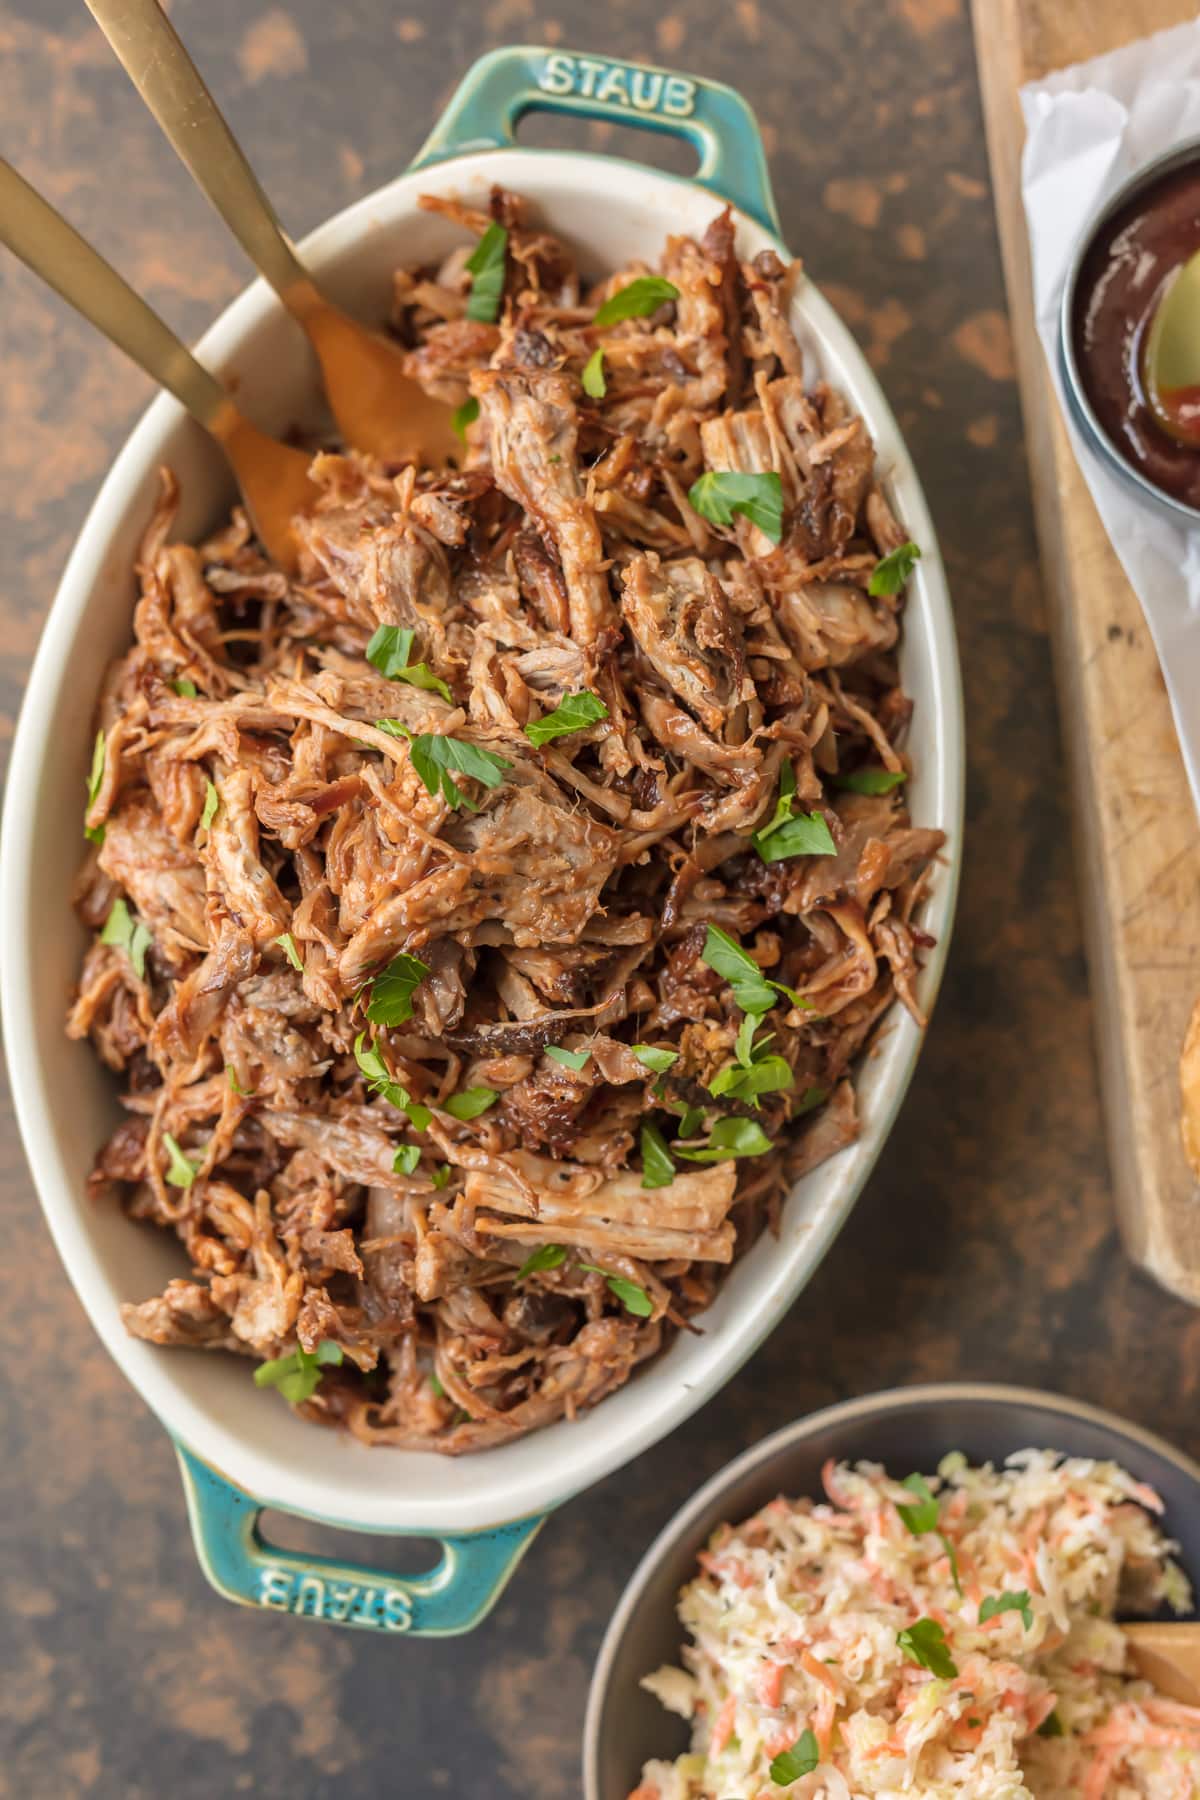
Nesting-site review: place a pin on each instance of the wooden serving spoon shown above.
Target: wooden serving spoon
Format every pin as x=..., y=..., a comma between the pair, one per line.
x=272, y=476
x=1171, y=356
x=1168, y=1656
x=377, y=406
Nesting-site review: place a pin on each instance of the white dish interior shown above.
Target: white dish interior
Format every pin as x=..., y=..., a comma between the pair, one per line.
x=66, y=1101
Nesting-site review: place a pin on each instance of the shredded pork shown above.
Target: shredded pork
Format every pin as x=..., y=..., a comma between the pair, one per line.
x=280, y=846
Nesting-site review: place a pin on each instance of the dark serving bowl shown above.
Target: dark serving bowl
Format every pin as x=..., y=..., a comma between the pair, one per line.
x=905, y=1428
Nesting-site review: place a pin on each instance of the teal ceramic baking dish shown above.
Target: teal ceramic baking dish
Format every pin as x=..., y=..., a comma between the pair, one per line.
x=240, y=1449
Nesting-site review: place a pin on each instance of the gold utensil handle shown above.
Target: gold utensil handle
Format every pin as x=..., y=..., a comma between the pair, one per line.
x=43, y=240
x=167, y=79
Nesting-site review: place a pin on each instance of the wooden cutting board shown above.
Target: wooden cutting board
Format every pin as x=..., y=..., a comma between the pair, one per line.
x=1137, y=837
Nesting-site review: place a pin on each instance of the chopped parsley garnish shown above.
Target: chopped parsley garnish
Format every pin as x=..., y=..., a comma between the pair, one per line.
x=435, y=1386
x=995, y=1604
x=809, y=1101
x=184, y=688
x=392, y=990
x=924, y=1516
x=287, y=944
x=925, y=1643
x=752, y=992
x=633, y=1298
x=128, y=934
x=550, y=1256
x=470, y=1102
x=569, y=1059
x=181, y=1171
x=593, y=374
x=1051, y=1726
x=212, y=801
x=729, y=1137
x=636, y=300
x=658, y=1170
x=95, y=833
x=299, y=1375
x=235, y=1086
x=754, y=1072
x=440, y=1176
x=575, y=712
x=801, y=1759
x=871, y=781
x=464, y=415
x=434, y=756
x=485, y=265
x=406, y=1159
x=892, y=571
x=390, y=650
x=380, y=1082
x=655, y=1056
x=792, y=834
x=720, y=494
x=690, y=1120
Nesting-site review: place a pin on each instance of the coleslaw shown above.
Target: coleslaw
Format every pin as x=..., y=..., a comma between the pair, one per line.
x=944, y=1638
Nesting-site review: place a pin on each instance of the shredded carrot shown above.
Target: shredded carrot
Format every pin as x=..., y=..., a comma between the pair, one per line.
x=770, y=1683
x=722, y=1731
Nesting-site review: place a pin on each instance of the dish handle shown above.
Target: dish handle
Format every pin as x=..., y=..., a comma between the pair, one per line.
x=453, y=1597
x=498, y=90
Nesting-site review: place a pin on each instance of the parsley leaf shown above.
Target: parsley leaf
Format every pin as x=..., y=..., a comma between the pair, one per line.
x=380, y=1082
x=809, y=1101
x=759, y=498
x=550, y=1256
x=440, y=1176
x=658, y=1170
x=730, y=1137
x=486, y=267
x=753, y=1073
x=636, y=300
x=406, y=1159
x=212, y=801
x=128, y=934
x=952, y=1559
x=95, y=833
x=801, y=1759
x=593, y=374
x=787, y=834
x=656, y=1057
x=871, y=781
x=435, y=1386
x=434, y=756
x=752, y=992
x=633, y=1298
x=470, y=1102
x=923, y=1517
x=287, y=944
x=235, y=1085
x=298, y=1376
x=891, y=572
x=1051, y=1726
x=184, y=688
x=690, y=1120
x=925, y=1642
x=389, y=650
x=995, y=1604
x=575, y=712
x=181, y=1172
x=569, y=1059
x=464, y=415
x=392, y=990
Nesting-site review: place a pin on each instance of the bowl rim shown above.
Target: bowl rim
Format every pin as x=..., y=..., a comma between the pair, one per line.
x=491, y=1498
x=842, y=1412
x=1093, y=432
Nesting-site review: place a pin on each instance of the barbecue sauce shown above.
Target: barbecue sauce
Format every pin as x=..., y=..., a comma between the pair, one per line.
x=1121, y=280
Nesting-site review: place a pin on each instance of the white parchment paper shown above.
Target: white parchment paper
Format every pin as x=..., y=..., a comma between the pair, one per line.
x=1088, y=128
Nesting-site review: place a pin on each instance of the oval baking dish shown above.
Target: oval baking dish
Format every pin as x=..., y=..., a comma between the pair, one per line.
x=240, y=1449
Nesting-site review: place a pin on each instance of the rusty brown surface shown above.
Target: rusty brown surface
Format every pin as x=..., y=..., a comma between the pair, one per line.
x=984, y=1245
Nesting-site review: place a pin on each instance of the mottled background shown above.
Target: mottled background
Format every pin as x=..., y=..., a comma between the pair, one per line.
x=984, y=1245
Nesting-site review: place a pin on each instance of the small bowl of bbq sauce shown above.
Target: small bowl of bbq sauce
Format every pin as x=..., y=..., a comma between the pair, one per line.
x=1126, y=258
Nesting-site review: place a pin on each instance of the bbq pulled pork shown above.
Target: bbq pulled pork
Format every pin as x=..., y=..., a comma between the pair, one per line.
x=457, y=1221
